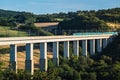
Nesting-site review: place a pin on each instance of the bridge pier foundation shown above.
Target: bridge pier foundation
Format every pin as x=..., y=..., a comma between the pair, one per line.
x=56, y=53
x=66, y=49
x=84, y=47
x=76, y=48
x=43, y=56
x=29, y=63
x=13, y=57
x=92, y=47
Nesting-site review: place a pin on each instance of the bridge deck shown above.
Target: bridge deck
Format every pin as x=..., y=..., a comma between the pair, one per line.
x=40, y=39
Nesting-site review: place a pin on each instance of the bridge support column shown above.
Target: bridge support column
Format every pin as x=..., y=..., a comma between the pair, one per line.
x=84, y=47
x=66, y=49
x=92, y=47
x=76, y=48
x=56, y=53
x=43, y=56
x=104, y=43
x=99, y=45
x=13, y=57
x=110, y=40
x=29, y=63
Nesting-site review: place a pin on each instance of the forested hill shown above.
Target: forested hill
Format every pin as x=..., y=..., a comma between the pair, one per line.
x=92, y=19
x=8, y=13
x=112, y=15
x=11, y=18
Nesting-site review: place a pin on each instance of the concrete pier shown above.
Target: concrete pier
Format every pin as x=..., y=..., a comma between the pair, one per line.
x=104, y=43
x=99, y=45
x=66, y=49
x=56, y=53
x=76, y=48
x=84, y=47
x=92, y=47
x=29, y=63
x=13, y=57
x=110, y=40
x=43, y=56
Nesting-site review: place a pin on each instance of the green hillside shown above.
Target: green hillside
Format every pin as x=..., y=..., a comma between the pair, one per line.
x=92, y=20
x=83, y=22
x=7, y=32
x=80, y=20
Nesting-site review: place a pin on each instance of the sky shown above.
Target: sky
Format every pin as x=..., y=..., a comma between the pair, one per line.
x=56, y=6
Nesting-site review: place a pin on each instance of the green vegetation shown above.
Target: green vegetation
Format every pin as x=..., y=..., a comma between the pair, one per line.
x=8, y=18
x=7, y=32
x=19, y=21
x=12, y=18
x=90, y=20
x=82, y=22
x=110, y=15
x=35, y=30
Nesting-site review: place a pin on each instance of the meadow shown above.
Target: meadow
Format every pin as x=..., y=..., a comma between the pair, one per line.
x=7, y=32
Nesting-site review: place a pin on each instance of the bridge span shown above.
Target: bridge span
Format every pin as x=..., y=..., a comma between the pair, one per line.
x=101, y=42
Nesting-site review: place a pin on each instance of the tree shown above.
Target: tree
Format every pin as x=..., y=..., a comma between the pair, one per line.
x=89, y=76
x=83, y=22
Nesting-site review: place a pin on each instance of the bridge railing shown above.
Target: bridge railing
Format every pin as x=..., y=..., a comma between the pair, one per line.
x=94, y=33
x=71, y=32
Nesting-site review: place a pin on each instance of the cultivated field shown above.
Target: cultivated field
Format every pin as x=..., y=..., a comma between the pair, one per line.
x=114, y=25
x=46, y=24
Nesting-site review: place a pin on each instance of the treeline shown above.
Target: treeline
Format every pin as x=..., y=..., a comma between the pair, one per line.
x=82, y=22
x=91, y=20
x=109, y=15
x=13, y=18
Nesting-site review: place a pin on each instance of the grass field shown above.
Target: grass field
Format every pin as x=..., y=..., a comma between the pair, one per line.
x=6, y=31
x=5, y=58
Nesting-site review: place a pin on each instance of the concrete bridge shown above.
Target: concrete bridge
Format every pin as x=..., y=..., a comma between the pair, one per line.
x=101, y=40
